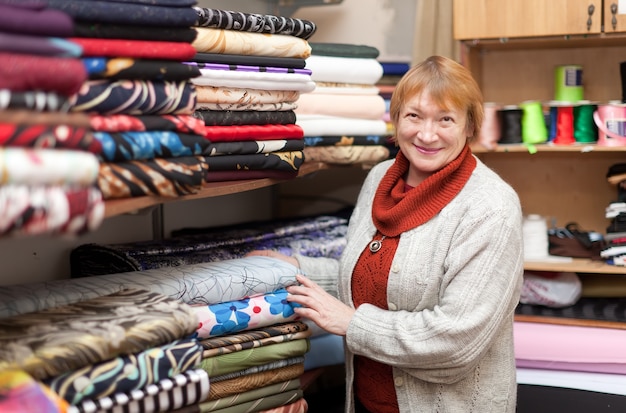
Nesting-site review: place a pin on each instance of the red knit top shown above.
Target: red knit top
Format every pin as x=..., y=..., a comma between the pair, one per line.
x=397, y=208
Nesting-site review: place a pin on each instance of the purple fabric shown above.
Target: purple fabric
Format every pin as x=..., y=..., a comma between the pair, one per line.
x=43, y=22
x=171, y=3
x=245, y=68
x=38, y=45
x=26, y=4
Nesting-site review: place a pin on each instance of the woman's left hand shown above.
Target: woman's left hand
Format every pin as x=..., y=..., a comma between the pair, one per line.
x=319, y=306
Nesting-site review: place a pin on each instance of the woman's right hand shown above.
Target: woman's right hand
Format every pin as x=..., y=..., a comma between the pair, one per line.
x=275, y=254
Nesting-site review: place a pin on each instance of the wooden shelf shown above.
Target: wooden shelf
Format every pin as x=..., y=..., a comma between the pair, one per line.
x=548, y=147
x=116, y=207
x=548, y=42
x=576, y=265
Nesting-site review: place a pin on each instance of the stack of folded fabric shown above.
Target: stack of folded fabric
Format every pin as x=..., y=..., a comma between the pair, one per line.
x=139, y=95
x=132, y=350
x=47, y=156
x=252, y=72
x=343, y=119
x=224, y=299
x=253, y=352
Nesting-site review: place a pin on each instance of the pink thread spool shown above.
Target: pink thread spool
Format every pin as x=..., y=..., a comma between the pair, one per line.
x=611, y=122
x=490, y=130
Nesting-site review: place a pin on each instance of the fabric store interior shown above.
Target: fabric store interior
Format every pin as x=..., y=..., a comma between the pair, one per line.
x=186, y=136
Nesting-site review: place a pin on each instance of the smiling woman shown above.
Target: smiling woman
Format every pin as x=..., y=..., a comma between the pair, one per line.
x=431, y=273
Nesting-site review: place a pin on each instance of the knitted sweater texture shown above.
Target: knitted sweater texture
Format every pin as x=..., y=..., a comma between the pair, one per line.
x=452, y=289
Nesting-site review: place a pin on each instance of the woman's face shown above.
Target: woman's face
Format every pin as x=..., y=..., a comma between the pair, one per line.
x=429, y=136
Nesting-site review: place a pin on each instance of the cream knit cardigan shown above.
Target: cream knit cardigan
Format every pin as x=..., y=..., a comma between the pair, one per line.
x=453, y=287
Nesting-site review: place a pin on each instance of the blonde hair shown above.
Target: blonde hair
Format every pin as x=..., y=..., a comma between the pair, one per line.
x=450, y=85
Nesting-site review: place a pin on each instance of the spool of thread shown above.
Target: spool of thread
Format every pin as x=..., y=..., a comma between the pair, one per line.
x=490, y=131
x=510, y=118
x=552, y=122
x=585, y=129
x=534, y=128
x=535, y=236
x=568, y=83
x=564, y=125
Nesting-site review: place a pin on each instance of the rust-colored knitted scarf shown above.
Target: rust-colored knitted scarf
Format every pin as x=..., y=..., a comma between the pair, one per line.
x=395, y=211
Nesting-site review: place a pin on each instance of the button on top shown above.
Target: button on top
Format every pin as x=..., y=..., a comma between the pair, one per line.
x=398, y=381
x=395, y=268
x=393, y=307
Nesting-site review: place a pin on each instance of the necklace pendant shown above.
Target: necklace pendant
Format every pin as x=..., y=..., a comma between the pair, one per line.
x=376, y=245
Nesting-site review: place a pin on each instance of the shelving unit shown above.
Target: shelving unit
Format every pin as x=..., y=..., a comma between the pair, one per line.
x=512, y=49
x=210, y=189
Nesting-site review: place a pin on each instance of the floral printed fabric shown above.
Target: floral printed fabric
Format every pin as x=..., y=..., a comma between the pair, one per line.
x=282, y=161
x=90, y=331
x=167, y=395
x=255, y=22
x=203, y=283
x=126, y=123
x=135, y=145
x=49, y=209
x=127, y=373
x=44, y=136
x=248, y=313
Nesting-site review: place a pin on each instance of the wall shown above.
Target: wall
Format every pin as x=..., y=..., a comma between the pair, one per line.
x=385, y=24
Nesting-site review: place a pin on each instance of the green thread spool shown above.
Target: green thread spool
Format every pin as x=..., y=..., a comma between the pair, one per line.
x=585, y=129
x=568, y=83
x=534, y=129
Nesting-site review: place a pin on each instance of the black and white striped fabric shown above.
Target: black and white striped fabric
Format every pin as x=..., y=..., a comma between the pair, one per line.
x=184, y=389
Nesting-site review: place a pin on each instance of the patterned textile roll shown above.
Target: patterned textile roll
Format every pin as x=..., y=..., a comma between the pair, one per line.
x=260, y=336
x=188, y=388
x=34, y=166
x=167, y=177
x=254, y=22
x=35, y=100
x=251, y=381
x=135, y=97
x=127, y=373
x=42, y=136
x=253, y=147
x=193, y=284
x=254, y=394
x=145, y=69
x=284, y=161
x=137, y=145
x=50, y=342
x=48, y=209
x=125, y=123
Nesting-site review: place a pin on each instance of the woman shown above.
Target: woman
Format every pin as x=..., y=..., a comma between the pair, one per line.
x=431, y=273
